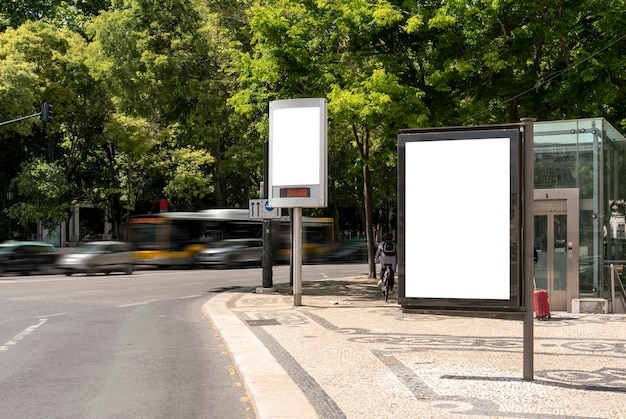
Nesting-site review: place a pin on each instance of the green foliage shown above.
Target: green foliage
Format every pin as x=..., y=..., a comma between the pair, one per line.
x=16, y=94
x=132, y=135
x=42, y=194
x=189, y=178
x=169, y=99
x=166, y=64
x=59, y=12
x=47, y=64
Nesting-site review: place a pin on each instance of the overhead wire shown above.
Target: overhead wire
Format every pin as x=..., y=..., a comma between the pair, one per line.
x=551, y=77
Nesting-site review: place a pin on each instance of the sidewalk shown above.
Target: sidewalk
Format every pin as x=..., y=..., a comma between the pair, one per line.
x=345, y=353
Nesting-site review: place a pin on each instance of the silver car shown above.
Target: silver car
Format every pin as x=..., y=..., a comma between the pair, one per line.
x=101, y=256
x=233, y=252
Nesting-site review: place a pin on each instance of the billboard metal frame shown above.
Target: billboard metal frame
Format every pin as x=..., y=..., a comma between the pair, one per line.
x=459, y=229
x=298, y=153
x=519, y=302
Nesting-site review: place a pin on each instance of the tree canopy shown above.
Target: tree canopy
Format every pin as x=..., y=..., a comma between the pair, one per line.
x=169, y=99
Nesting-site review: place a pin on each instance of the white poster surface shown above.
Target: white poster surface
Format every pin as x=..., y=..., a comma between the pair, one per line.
x=457, y=219
x=296, y=146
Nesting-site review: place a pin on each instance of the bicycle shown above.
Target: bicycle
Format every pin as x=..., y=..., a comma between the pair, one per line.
x=387, y=281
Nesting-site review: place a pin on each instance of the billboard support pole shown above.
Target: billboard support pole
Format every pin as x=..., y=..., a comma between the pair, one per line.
x=528, y=253
x=266, y=262
x=297, y=256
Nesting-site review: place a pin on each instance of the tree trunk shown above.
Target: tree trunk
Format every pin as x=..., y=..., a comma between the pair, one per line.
x=369, y=222
x=50, y=139
x=217, y=176
x=363, y=145
x=336, y=228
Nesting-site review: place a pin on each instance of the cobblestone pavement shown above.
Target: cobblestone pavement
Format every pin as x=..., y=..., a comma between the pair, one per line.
x=347, y=354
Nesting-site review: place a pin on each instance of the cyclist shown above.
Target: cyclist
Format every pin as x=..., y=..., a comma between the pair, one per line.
x=386, y=254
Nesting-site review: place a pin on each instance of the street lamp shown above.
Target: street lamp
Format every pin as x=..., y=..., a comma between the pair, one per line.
x=9, y=196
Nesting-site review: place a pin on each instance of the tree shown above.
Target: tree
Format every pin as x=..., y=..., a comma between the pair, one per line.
x=344, y=51
x=60, y=13
x=373, y=109
x=164, y=62
x=495, y=62
x=52, y=62
x=43, y=189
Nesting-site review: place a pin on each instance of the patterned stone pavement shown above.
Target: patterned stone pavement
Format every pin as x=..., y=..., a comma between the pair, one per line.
x=347, y=354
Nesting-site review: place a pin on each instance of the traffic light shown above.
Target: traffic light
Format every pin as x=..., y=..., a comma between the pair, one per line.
x=46, y=112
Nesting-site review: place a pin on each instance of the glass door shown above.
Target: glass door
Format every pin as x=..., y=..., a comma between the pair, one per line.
x=551, y=245
x=557, y=231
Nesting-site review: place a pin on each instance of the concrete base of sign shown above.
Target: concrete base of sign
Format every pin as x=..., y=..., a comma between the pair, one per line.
x=261, y=290
x=590, y=305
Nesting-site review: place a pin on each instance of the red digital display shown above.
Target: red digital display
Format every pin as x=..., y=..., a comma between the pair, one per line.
x=295, y=192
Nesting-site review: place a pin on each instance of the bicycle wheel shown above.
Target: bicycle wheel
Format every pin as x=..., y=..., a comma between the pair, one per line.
x=386, y=285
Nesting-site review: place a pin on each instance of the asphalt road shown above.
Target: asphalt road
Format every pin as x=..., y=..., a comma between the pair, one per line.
x=124, y=346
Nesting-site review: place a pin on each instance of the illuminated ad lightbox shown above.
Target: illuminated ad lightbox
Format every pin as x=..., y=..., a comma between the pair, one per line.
x=459, y=230
x=298, y=154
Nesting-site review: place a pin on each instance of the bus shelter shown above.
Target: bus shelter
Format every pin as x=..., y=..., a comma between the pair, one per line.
x=580, y=193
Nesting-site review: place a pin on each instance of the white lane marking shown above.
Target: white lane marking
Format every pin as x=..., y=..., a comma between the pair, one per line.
x=190, y=296
x=138, y=304
x=55, y=314
x=22, y=335
x=141, y=303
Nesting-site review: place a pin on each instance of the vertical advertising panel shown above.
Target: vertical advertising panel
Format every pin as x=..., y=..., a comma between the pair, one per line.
x=459, y=219
x=298, y=156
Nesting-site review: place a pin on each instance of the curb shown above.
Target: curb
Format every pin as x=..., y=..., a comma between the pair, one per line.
x=273, y=393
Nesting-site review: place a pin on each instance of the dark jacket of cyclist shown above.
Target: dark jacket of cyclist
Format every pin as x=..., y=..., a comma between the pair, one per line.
x=385, y=258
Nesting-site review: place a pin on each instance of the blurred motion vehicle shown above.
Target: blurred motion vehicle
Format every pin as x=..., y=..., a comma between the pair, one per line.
x=174, y=238
x=27, y=257
x=100, y=256
x=230, y=253
x=352, y=250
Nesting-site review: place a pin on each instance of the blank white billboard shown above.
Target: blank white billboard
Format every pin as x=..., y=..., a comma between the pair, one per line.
x=457, y=219
x=298, y=153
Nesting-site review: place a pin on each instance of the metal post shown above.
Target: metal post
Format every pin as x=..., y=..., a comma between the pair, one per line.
x=266, y=262
x=20, y=119
x=612, y=288
x=528, y=240
x=297, y=257
x=291, y=252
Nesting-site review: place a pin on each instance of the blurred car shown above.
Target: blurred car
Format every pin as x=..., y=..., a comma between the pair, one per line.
x=233, y=252
x=352, y=250
x=26, y=257
x=100, y=256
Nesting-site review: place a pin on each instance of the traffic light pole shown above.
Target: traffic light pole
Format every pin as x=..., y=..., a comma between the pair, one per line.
x=20, y=119
x=46, y=111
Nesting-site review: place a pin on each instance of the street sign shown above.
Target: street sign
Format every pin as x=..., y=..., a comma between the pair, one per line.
x=260, y=209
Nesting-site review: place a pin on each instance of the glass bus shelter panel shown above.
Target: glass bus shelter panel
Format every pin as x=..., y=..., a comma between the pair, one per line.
x=614, y=138
x=555, y=132
x=565, y=153
x=555, y=155
x=614, y=189
x=588, y=159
